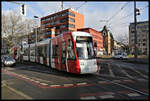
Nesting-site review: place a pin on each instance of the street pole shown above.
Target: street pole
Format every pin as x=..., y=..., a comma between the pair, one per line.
x=36, y=40
x=62, y=5
x=135, y=33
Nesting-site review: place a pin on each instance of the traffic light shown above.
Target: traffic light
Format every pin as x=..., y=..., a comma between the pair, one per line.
x=23, y=9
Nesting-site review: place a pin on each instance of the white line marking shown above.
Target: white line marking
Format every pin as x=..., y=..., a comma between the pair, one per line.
x=81, y=83
x=110, y=71
x=106, y=96
x=43, y=84
x=28, y=78
x=133, y=94
x=32, y=80
x=68, y=85
x=141, y=73
x=128, y=80
x=54, y=85
x=88, y=97
x=141, y=79
x=20, y=93
x=37, y=81
x=116, y=81
x=126, y=74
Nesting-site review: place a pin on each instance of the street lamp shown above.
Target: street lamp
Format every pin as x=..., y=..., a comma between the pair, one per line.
x=136, y=12
x=36, y=40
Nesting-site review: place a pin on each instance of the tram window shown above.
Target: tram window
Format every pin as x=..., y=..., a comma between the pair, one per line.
x=25, y=52
x=55, y=51
x=44, y=51
x=63, y=52
x=70, y=49
x=84, y=48
x=39, y=51
x=32, y=51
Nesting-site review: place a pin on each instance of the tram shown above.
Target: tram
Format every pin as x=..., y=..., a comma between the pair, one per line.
x=14, y=52
x=71, y=52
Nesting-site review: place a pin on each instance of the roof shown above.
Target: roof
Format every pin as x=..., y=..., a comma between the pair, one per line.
x=62, y=11
x=88, y=29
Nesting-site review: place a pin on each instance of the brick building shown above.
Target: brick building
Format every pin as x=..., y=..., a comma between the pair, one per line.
x=63, y=21
x=97, y=37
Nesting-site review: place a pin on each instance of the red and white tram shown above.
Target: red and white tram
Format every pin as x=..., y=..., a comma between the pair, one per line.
x=71, y=52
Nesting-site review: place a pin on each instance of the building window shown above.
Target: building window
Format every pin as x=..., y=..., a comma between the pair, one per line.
x=63, y=26
x=71, y=19
x=71, y=25
x=47, y=33
x=132, y=31
x=64, y=20
x=72, y=14
x=144, y=39
x=64, y=14
x=143, y=44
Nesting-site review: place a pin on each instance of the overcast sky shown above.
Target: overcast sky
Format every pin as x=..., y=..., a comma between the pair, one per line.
x=119, y=14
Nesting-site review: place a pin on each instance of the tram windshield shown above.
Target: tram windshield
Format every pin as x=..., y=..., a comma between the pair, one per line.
x=84, y=47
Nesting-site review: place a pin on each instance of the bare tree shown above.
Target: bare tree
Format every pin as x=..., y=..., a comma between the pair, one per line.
x=14, y=26
x=123, y=38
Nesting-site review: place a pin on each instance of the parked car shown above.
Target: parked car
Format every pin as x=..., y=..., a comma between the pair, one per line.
x=120, y=56
x=8, y=61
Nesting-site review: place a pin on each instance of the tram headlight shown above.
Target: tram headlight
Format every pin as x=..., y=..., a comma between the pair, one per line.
x=82, y=63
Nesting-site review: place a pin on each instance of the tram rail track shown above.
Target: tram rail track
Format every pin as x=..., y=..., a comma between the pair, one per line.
x=122, y=85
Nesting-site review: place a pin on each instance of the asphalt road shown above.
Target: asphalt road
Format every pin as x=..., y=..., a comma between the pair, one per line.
x=35, y=81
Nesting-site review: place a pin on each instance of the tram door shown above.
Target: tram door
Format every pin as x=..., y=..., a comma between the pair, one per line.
x=63, y=56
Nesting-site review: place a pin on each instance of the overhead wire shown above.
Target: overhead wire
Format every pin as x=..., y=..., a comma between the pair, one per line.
x=118, y=11
x=130, y=14
x=81, y=5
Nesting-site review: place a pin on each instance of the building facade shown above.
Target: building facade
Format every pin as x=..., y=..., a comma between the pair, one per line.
x=4, y=47
x=97, y=37
x=142, y=37
x=108, y=41
x=63, y=21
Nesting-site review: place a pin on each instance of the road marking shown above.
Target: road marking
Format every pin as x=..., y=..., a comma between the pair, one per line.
x=110, y=71
x=141, y=73
x=37, y=81
x=141, y=80
x=66, y=85
x=128, y=81
x=32, y=80
x=88, y=97
x=19, y=93
x=54, y=85
x=43, y=84
x=81, y=83
x=133, y=94
x=106, y=96
x=126, y=74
